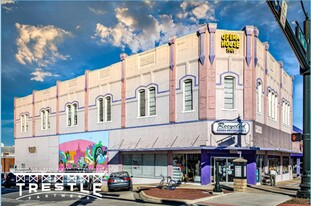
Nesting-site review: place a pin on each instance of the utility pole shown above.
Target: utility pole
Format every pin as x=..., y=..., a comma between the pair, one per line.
x=300, y=44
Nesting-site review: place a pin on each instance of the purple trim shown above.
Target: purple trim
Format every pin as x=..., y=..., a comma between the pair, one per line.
x=205, y=168
x=194, y=78
x=296, y=155
x=147, y=86
x=172, y=52
x=212, y=29
x=259, y=80
x=248, y=49
x=251, y=168
x=211, y=48
x=272, y=90
x=266, y=57
x=71, y=103
x=238, y=77
x=201, y=34
x=255, y=53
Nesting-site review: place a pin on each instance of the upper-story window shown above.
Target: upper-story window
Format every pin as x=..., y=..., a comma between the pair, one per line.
x=72, y=114
x=24, y=123
x=108, y=108
x=285, y=112
x=104, y=109
x=152, y=101
x=188, y=95
x=142, y=103
x=45, y=119
x=276, y=106
x=269, y=103
x=259, y=97
x=229, y=92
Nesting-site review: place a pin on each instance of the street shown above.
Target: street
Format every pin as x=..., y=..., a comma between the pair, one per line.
x=10, y=197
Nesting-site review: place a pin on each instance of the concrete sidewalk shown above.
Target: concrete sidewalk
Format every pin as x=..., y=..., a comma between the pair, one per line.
x=256, y=195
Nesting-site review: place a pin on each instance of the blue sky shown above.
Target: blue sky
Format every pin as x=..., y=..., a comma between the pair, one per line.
x=46, y=41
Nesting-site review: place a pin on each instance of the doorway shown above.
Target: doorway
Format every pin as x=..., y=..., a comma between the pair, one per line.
x=225, y=168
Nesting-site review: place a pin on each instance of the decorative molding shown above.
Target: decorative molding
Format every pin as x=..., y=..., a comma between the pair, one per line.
x=248, y=32
x=212, y=29
x=256, y=34
x=172, y=51
x=201, y=34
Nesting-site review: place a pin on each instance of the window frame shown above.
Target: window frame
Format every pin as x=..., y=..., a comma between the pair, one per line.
x=140, y=109
x=100, y=110
x=191, y=95
x=45, y=119
x=152, y=88
x=259, y=96
x=108, y=99
x=232, y=79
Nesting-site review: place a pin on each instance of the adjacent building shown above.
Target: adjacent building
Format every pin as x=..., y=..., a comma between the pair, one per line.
x=175, y=110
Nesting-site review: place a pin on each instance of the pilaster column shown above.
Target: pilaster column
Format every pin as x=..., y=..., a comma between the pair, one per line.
x=86, y=101
x=172, y=98
x=265, y=84
x=280, y=96
x=170, y=163
x=202, y=72
x=33, y=113
x=249, y=89
x=211, y=73
x=205, y=168
x=57, y=106
x=123, y=89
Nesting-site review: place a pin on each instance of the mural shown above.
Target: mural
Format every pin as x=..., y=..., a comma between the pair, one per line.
x=84, y=150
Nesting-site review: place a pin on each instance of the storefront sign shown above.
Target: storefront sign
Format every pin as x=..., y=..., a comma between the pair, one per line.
x=230, y=127
x=231, y=42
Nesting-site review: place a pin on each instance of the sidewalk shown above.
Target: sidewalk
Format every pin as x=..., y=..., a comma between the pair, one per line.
x=194, y=194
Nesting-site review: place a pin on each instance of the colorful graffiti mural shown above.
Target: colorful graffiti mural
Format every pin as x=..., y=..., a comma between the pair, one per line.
x=84, y=151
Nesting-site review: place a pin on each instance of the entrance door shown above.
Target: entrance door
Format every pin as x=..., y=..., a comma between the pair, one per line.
x=225, y=169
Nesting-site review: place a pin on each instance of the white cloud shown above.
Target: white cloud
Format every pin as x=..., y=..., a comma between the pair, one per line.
x=39, y=44
x=39, y=75
x=143, y=31
x=97, y=11
x=7, y=2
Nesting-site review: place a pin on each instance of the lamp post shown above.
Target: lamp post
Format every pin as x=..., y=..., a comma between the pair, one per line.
x=217, y=185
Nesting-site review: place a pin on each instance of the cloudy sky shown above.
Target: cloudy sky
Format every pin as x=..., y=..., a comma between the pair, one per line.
x=46, y=41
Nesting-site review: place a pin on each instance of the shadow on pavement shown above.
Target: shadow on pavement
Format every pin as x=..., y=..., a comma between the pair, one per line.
x=275, y=190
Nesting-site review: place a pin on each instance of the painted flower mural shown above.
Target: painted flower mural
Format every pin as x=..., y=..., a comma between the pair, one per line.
x=84, y=151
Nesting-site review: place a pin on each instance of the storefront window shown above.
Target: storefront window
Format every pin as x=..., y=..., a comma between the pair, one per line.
x=189, y=165
x=274, y=164
x=285, y=165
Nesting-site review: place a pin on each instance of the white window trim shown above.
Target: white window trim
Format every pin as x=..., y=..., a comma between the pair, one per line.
x=138, y=95
x=259, y=96
x=276, y=103
x=184, y=97
x=269, y=104
x=148, y=101
x=45, y=119
x=72, y=115
x=106, y=109
x=98, y=110
x=234, y=102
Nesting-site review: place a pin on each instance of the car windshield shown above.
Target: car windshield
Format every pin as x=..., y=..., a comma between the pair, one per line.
x=119, y=174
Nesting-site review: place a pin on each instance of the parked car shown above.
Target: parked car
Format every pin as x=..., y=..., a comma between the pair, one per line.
x=2, y=179
x=120, y=180
x=76, y=179
x=11, y=180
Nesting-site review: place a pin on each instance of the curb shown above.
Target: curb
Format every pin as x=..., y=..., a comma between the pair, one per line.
x=187, y=202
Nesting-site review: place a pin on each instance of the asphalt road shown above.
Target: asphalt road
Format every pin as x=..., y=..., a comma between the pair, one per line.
x=11, y=197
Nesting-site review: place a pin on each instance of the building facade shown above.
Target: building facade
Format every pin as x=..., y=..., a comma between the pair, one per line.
x=175, y=110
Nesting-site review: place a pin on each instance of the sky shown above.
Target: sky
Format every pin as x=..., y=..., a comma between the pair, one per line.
x=46, y=41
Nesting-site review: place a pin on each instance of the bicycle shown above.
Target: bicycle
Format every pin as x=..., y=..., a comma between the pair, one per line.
x=169, y=183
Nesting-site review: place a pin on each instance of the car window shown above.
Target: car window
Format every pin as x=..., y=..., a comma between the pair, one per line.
x=119, y=174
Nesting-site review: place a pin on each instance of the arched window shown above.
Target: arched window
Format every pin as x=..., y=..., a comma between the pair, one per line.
x=100, y=109
x=188, y=95
x=283, y=112
x=24, y=122
x=108, y=108
x=45, y=119
x=142, y=103
x=229, y=92
x=269, y=103
x=259, y=97
x=152, y=101
x=276, y=107
x=72, y=114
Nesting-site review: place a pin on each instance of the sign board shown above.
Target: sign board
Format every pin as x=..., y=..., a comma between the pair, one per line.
x=283, y=13
x=230, y=42
x=301, y=37
x=238, y=171
x=226, y=127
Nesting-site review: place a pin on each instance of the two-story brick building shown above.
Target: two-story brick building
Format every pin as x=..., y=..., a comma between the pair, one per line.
x=172, y=108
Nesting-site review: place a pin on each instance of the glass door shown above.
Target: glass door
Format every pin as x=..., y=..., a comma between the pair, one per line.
x=225, y=170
